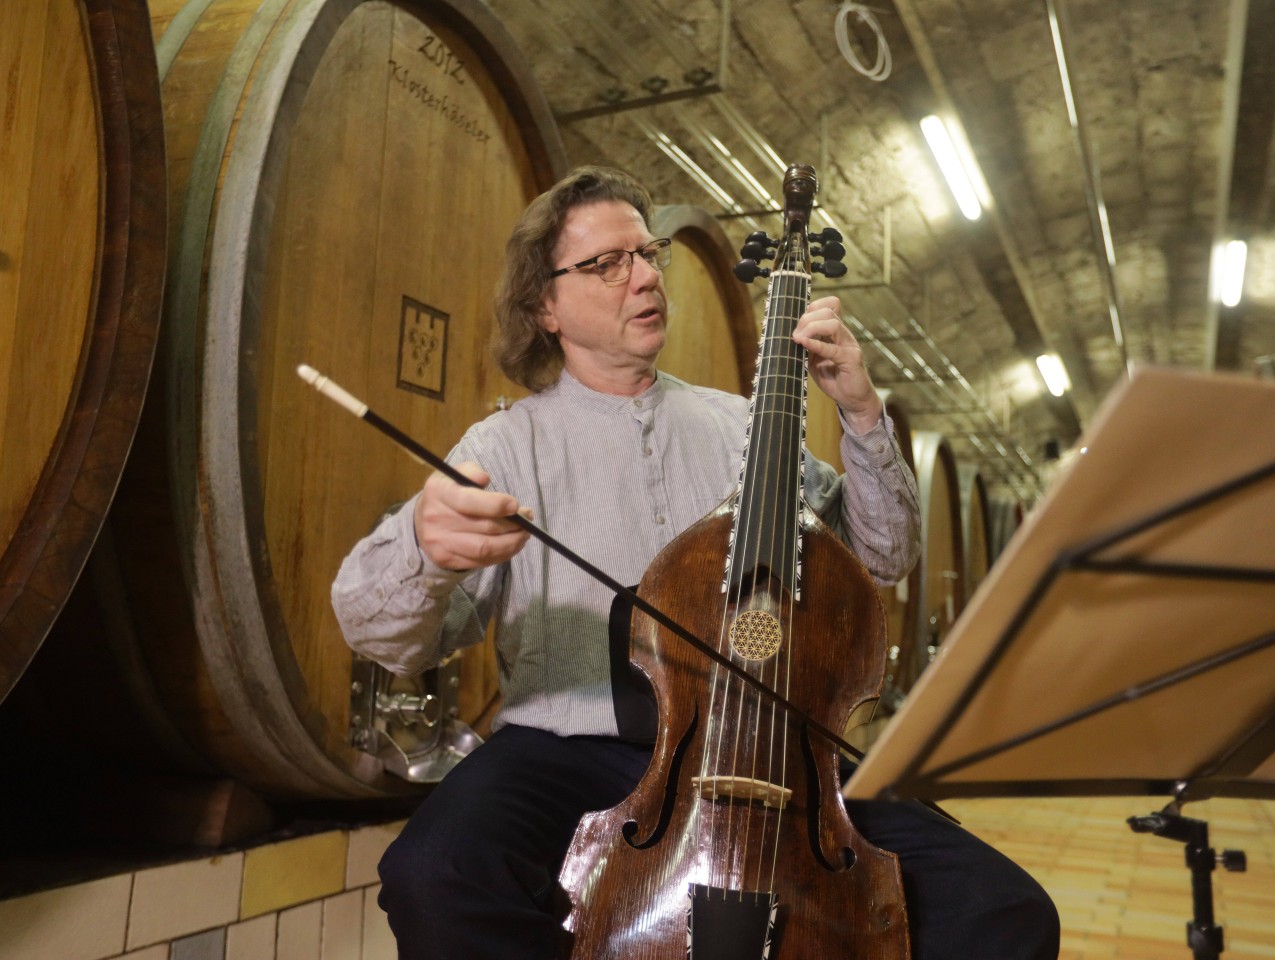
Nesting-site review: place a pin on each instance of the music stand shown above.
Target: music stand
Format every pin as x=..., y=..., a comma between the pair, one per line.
x=1124, y=642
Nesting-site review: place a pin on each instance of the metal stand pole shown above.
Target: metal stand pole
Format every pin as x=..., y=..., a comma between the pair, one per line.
x=1203, y=936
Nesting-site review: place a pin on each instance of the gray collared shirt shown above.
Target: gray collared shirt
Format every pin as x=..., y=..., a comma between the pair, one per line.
x=615, y=479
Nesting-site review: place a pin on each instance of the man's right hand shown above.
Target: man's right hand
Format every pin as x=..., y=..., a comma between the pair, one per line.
x=462, y=528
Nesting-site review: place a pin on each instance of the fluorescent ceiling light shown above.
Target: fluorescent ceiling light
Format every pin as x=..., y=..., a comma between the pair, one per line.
x=1231, y=285
x=1055, y=374
x=958, y=180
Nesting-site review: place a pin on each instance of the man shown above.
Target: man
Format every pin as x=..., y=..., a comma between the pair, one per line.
x=615, y=459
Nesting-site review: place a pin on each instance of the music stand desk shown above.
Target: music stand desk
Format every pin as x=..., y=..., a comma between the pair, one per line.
x=1124, y=641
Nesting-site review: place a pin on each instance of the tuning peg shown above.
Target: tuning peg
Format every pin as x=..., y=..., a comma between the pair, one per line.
x=832, y=269
x=827, y=235
x=758, y=246
x=830, y=250
x=748, y=271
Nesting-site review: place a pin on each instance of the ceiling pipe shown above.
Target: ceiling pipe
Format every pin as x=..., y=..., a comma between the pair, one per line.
x=639, y=103
x=982, y=406
x=1024, y=468
x=1025, y=482
x=1060, y=29
x=1220, y=338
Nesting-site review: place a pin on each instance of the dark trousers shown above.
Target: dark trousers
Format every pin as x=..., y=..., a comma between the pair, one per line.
x=473, y=875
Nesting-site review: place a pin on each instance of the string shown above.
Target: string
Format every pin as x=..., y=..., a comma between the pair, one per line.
x=710, y=760
x=757, y=472
x=741, y=523
x=762, y=499
x=775, y=423
x=789, y=442
x=776, y=415
x=769, y=496
x=795, y=423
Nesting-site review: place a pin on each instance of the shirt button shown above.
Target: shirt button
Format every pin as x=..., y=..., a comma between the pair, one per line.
x=659, y=518
x=646, y=451
x=380, y=593
x=638, y=404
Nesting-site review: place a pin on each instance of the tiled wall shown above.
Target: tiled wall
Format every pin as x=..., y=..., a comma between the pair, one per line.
x=312, y=898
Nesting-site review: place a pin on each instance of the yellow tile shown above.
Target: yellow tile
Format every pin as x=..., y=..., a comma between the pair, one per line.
x=182, y=898
x=296, y=871
x=83, y=922
x=366, y=846
x=252, y=939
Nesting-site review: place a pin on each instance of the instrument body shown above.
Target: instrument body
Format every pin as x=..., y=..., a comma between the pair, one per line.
x=735, y=843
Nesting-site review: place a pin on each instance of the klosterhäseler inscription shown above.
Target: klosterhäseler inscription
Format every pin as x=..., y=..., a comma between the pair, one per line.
x=442, y=104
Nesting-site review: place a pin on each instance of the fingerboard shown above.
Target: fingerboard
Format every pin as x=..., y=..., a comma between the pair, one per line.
x=766, y=535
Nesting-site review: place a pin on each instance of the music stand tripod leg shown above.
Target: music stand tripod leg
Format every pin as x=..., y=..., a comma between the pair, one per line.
x=1203, y=936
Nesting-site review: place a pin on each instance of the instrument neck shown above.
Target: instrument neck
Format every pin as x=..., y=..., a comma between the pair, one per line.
x=767, y=531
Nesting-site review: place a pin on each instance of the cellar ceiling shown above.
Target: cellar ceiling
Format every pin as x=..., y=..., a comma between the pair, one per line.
x=1118, y=144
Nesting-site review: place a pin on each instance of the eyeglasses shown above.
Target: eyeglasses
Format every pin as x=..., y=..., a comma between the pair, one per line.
x=616, y=266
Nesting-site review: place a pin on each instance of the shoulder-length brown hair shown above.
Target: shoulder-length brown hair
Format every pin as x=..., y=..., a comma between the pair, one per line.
x=527, y=353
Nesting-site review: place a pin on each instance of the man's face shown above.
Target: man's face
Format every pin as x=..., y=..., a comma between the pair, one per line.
x=603, y=327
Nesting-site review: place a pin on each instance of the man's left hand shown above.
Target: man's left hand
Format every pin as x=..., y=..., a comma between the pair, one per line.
x=836, y=363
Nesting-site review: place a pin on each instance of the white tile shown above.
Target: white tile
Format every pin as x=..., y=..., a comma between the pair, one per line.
x=378, y=939
x=252, y=939
x=300, y=932
x=183, y=898
x=343, y=927
x=83, y=922
x=366, y=846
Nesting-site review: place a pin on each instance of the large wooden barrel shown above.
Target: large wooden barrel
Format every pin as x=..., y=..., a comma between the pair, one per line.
x=712, y=324
x=344, y=175
x=975, y=526
x=82, y=221
x=1005, y=516
x=823, y=426
x=940, y=596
